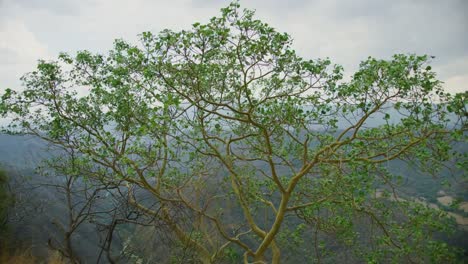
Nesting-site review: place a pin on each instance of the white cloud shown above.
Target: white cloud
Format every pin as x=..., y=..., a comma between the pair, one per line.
x=454, y=73
x=346, y=31
x=457, y=83
x=20, y=50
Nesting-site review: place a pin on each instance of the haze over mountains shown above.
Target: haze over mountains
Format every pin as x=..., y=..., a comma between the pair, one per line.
x=40, y=206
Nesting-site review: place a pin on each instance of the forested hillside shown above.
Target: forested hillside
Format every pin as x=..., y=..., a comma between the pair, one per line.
x=30, y=224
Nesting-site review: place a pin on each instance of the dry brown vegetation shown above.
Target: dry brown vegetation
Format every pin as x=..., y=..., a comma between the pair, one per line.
x=26, y=256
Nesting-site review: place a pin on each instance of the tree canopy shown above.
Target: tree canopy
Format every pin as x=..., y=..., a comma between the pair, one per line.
x=262, y=150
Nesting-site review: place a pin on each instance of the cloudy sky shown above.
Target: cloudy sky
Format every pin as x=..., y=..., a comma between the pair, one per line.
x=347, y=31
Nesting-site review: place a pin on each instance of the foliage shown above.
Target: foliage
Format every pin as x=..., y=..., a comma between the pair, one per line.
x=5, y=202
x=227, y=115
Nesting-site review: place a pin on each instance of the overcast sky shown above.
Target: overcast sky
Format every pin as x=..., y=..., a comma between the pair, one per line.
x=347, y=31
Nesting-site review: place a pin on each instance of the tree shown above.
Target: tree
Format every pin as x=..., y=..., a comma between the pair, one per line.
x=244, y=146
x=5, y=202
x=82, y=203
